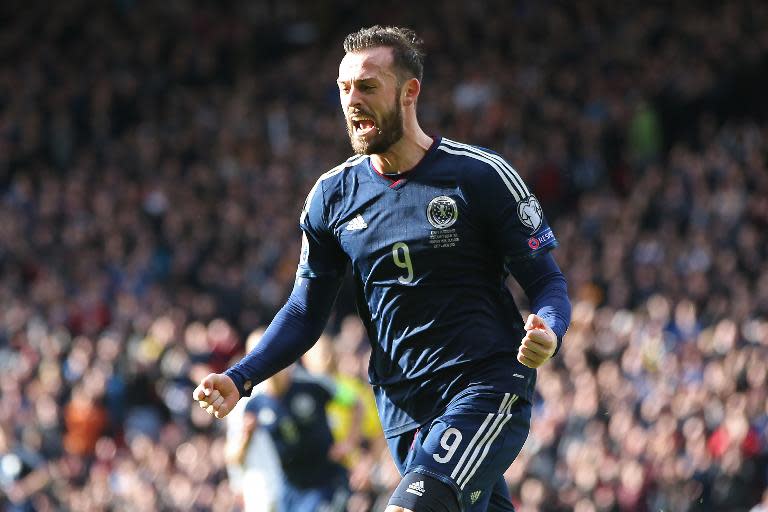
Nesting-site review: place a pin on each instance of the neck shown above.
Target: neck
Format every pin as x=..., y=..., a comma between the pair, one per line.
x=404, y=154
x=276, y=386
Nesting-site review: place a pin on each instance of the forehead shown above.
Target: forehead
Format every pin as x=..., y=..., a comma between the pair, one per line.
x=368, y=63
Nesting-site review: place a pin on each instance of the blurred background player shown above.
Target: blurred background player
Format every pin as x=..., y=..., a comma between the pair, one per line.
x=253, y=465
x=292, y=409
x=353, y=419
x=357, y=433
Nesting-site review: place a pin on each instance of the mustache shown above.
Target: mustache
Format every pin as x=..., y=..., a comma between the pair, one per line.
x=357, y=111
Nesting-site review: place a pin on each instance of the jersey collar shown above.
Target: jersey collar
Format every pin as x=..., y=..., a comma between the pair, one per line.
x=397, y=181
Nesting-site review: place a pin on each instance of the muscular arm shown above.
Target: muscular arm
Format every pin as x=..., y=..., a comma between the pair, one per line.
x=547, y=291
x=295, y=328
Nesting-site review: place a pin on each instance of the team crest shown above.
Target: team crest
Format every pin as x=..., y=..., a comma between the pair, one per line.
x=442, y=212
x=267, y=416
x=303, y=406
x=529, y=211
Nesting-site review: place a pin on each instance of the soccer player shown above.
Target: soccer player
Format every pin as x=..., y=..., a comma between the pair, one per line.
x=253, y=464
x=432, y=228
x=354, y=419
x=292, y=409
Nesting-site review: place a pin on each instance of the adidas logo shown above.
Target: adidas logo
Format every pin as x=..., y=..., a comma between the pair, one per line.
x=357, y=223
x=475, y=496
x=416, y=488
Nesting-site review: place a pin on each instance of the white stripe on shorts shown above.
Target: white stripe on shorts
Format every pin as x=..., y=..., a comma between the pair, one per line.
x=507, y=416
x=483, y=432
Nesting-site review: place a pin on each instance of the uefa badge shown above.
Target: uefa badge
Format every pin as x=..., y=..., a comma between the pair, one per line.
x=442, y=212
x=529, y=211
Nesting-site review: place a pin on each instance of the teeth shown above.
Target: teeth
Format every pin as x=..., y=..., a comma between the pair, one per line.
x=358, y=121
x=360, y=129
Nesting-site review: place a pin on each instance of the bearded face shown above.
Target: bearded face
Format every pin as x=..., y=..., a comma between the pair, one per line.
x=375, y=132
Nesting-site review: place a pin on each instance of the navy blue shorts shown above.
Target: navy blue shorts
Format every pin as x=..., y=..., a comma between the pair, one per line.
x=469, y=447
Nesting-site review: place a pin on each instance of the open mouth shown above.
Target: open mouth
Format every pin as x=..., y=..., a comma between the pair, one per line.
x=362, y=125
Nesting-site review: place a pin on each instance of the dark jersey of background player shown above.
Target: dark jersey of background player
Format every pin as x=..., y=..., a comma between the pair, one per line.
x=298, y=424
x=430, y=251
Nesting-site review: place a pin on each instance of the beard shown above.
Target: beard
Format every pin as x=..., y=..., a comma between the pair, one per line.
x=389, y=129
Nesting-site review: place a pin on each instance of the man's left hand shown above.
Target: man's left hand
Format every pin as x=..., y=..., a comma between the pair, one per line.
x=539, y=343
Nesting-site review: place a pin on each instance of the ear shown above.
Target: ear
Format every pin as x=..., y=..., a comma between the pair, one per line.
x=410, y=91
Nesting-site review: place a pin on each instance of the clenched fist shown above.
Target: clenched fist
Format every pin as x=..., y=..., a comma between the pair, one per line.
x=539, y=343
x=217, y=394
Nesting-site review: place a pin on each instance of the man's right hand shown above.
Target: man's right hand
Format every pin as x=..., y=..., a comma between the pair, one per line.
x=217, y=394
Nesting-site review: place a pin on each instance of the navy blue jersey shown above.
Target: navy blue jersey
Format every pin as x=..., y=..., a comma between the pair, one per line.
x=298, y=425
x=430, y=253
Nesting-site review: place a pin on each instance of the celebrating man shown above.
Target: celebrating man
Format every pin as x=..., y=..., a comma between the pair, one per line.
x=432, y=228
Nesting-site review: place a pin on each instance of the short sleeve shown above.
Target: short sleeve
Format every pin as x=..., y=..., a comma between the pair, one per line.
x=516, y=222
x=252, y=406
x=326, y=390
x=321, y=255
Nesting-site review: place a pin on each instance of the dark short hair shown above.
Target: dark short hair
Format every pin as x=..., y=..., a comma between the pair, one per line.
x=407, y=55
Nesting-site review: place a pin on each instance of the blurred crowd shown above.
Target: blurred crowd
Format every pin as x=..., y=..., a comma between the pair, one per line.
x=154, y=157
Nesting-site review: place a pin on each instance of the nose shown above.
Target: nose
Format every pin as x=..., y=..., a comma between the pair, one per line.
x=351, y=98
